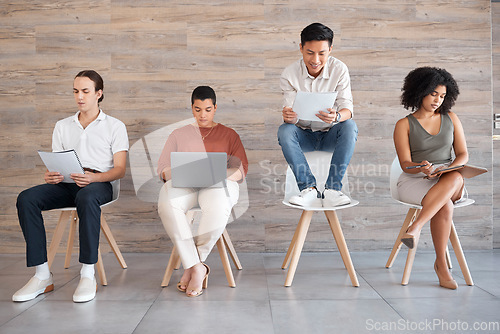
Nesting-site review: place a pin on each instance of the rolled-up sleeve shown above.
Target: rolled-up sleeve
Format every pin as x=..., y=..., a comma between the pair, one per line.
x=288, y=91
x=344, y=96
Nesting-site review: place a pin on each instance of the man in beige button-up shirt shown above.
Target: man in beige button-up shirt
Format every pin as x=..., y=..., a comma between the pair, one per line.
x=335, y=131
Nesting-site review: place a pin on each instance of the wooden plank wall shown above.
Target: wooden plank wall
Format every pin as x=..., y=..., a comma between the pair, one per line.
x=153, y=53
x=495, y=23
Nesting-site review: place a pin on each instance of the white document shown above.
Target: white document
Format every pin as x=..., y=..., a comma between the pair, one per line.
x=64, y=162
x=308, y=104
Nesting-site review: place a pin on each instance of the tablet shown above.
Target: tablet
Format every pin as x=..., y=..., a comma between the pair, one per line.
x=467, y=171
x=307, y=104
x=448, y=169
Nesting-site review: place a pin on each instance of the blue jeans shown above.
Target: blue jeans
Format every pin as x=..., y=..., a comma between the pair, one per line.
x=340, y=140
x=88, y=200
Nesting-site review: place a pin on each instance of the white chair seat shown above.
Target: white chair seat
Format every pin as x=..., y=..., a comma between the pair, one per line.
x=318, y=208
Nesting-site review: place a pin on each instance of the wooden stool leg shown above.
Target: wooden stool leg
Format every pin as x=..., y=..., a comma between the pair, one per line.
x=448, y=258
x=71, y=238
x=174, y=258
x=177, y=263
x=225, y=262
x=112, y=242
x=457, y=248
x=100, y=268
x=409, y=264
x=333, y=220
x=57, y=236
x=410, y=217
x=302, y=227
x=232, y=251
x=286, y=261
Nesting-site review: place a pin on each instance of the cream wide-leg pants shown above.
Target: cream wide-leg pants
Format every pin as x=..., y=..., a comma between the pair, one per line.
x=215, y=204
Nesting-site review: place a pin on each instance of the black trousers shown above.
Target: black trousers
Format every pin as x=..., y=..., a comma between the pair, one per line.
x=88, y=200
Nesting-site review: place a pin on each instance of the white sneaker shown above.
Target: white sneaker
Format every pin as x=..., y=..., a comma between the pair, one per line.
x=308, y=197
x=334, y=198
x=33, y=288
x=86, y=290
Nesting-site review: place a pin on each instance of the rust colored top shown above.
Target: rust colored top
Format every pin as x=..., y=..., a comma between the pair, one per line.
x=220, y=138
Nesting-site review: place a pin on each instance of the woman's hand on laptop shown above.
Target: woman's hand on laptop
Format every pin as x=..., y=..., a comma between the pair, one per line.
x=166, y=174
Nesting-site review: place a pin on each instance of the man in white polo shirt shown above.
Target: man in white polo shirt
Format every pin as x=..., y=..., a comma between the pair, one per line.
x=101, y=143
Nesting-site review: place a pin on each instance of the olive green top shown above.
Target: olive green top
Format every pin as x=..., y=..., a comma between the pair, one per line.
x=434, y=148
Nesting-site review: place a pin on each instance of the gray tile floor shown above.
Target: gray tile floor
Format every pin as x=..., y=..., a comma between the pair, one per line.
x=321, y=299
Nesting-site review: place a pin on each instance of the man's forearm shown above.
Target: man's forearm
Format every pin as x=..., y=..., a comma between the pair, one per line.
x=111, y=175
x=345, y=114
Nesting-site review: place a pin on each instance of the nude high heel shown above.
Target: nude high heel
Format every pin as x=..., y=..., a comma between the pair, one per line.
x=181, y=283
x=204, y=284
x=452, y=284
x=205, y=280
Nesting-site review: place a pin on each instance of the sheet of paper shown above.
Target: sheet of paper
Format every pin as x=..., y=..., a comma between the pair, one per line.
x=308, y=104
x=64, y=162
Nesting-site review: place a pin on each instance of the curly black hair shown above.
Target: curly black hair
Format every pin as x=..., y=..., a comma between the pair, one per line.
x=422, y=81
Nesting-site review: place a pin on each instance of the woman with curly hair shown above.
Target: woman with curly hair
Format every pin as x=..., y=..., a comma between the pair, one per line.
x=424, y=141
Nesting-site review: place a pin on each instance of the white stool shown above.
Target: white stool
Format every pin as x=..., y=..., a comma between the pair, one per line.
x=319, y=163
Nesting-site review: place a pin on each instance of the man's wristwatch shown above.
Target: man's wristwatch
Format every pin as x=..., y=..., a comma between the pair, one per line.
x=338, y=117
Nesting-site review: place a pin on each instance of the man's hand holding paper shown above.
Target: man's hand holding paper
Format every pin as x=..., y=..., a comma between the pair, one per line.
x=289, y=116
x=327, y=117
x=53, y=177
x=84, y=179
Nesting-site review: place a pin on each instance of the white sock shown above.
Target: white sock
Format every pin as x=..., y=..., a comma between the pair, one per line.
x=42, y=271
x=87, y=270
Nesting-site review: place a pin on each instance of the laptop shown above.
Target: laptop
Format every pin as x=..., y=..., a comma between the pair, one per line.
x=198, y=169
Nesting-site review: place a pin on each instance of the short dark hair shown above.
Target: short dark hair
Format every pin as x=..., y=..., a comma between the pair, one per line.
x=422, y=81
x=96, y=78
x=316, y=32
x=203, y=93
